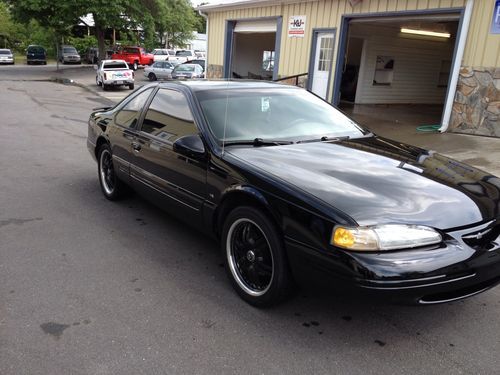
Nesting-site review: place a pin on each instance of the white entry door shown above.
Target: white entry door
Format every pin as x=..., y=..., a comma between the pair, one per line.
x=322, y=63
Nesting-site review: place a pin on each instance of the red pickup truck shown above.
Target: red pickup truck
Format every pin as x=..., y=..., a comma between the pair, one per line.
x=134, y=56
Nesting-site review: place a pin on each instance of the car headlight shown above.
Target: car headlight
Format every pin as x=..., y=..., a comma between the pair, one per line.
x=384, y=237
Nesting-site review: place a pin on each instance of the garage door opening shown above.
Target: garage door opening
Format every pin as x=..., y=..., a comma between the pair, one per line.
x=398, y=68
x=252, y=49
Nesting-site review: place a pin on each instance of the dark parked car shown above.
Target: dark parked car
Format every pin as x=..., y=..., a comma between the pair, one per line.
x=293, y=187
x=36, y=55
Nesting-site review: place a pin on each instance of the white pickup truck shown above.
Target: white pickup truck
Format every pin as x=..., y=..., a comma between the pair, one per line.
x=182, y=56
x=114, y=73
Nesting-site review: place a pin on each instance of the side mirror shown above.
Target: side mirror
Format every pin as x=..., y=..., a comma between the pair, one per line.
x=191, y=146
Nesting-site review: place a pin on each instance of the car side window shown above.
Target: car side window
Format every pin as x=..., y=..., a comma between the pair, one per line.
x=129, y=114
x=169, y=116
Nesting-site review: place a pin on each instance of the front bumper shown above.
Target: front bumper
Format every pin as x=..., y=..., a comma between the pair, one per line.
x=72, y=59
x=7, y=60
x=453, y=271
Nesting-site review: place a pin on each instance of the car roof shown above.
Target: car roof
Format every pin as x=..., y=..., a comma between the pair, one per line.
x=113, y=61
x=202, y=85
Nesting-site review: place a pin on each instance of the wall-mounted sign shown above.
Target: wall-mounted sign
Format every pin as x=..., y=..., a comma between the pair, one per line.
x=495, y=22
x=296, y=26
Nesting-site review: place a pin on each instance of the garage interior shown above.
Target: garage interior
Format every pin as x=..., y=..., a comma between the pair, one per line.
x=253, y=49
x=396, y=70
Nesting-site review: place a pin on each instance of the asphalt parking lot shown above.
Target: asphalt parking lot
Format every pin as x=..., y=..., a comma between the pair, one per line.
x=89, y=286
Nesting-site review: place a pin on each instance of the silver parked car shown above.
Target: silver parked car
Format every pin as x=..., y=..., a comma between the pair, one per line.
x=188, y=71
x=6, y=56
x=69, y=55
x=159, y=70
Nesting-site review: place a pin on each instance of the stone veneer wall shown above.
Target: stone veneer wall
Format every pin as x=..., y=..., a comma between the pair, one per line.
x=214, y=71
x=476, y=109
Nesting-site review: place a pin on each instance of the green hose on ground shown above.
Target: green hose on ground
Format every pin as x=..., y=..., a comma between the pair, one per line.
x=428, y=128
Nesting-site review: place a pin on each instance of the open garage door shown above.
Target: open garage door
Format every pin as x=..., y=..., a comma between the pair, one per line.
x=397, y=66
x=252, y=49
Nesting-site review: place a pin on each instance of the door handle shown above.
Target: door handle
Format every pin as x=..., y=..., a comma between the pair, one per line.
x=136, y=146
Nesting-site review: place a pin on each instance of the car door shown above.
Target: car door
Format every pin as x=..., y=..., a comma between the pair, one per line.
x=162, y=72
x=178, y=181
x=123, y=132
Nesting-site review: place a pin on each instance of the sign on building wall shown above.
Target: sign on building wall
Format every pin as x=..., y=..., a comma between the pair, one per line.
x=495, y=22
x=296, y=26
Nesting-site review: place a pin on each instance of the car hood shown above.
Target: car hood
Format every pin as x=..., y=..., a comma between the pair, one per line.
x=376, y=181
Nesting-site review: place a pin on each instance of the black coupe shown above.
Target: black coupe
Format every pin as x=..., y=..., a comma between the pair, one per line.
x=293, y=187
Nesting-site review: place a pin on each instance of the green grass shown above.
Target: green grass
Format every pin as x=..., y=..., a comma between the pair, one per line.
x=21, y=59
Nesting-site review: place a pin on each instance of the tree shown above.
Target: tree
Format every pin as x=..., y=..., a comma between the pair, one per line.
x=200, y=22
x=61, y=15
x=57, y=15
x=175, y=22
x=10, y=32
x=120, y=14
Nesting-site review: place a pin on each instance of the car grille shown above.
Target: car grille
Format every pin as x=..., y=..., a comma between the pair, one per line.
x=484, y=239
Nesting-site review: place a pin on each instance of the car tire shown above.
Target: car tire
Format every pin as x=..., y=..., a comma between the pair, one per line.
x=152, y=77
x=105, y=87
x=135, y=66
x=44, y=63
x=255, y=257
x=112, y=188
x=131, y=86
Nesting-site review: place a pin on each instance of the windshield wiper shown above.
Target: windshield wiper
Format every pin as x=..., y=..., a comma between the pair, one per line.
x=325, y=138
x=257, y=142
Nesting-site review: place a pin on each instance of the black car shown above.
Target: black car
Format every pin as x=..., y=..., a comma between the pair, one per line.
x=292, y=187
x=36, y=55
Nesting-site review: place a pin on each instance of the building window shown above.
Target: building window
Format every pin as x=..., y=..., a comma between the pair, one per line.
x=384, y=71
x=325, y=54
x=444, y=73
x=268, y=61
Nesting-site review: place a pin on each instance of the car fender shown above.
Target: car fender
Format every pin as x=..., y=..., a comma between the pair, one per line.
x=243, y=194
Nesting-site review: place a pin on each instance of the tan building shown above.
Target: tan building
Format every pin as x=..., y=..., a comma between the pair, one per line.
x=436, y=52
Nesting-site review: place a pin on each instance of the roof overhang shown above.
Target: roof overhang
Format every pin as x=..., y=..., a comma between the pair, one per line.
x=229, y=4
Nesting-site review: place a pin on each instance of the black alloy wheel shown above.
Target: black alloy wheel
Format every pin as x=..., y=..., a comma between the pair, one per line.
x=255, y=257
x=111, y=186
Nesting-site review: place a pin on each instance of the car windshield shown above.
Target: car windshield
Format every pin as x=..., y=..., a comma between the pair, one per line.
x=36, y=50
x=184, y=68
x=5, y=52
x=183, y=53
x=273, y=114
x=69, y=50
